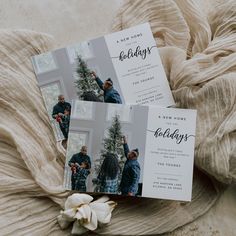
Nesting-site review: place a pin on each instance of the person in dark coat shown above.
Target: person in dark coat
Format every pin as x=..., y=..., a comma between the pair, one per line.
x=64, y=121
x=58, y=114
x=131, y=172
x=110, y=94
x=76, y=161
x=107, y=179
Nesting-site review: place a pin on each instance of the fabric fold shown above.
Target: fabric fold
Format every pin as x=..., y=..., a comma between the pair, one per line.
x=199, y=56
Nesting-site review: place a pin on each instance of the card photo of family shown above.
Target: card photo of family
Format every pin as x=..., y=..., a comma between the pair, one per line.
x=106, y=148
x=82, y=71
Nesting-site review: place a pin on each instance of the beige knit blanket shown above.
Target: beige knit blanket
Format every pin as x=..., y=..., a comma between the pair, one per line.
x=198, y=50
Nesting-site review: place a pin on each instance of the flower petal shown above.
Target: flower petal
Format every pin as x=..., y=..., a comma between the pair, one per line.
x=103, y=210
x=78, y=215
x=112, y=204
x=93, y=224
x=69, y=214
x=83, y=212
x=78, y=229
x=77, y=199
x=107, y=219
x=63, y=222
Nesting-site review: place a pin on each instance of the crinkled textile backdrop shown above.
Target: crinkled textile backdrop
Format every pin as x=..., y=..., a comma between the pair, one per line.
x=198, y=50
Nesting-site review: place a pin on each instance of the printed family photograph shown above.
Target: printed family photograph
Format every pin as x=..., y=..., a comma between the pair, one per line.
x=106, y=148
x=82, y=71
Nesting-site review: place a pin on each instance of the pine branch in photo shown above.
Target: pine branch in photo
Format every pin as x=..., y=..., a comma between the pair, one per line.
x=87, y=88
x=113, y=143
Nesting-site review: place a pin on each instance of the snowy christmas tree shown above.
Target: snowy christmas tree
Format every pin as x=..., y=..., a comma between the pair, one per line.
x=87, y=88
x=112, y=144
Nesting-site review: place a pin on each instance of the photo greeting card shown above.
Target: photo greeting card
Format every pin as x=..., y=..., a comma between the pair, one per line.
x=122, y=68
x=130, y=150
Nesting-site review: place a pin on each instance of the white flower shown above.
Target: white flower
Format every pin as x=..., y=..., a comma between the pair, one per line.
x=85, y=214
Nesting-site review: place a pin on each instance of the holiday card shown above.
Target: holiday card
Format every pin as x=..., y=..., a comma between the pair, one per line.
x=123, y=67
x=130, y=150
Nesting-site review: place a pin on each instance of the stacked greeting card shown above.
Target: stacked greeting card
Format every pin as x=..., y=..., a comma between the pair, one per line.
x=109, y=102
